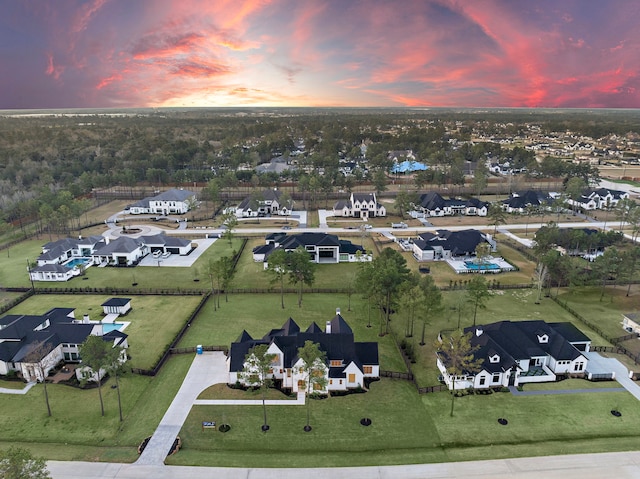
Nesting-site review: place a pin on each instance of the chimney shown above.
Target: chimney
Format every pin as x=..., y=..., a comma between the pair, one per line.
x=85, y=318
x=479, y=331
x=337, y=311
x=327, y=328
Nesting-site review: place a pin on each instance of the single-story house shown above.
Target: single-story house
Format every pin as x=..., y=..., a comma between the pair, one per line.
x=360, y=205
x=519, y=201
x=445, y=244
x=63, y=259
x=174, y=201
x=33, y=345
x=119, y=306
x=514, y=353
x=323, y=248
x=433, y=204
x=168, y=244
x=348, y=363
x=122, y=251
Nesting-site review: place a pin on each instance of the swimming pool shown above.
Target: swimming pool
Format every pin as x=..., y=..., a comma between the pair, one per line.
x=108, y=327
x=77, y=261
x=477, y=267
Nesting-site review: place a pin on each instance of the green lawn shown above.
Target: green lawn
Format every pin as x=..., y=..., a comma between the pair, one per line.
x=76, y=431
x=408, y=428
x=13, y=270
x=155, y=320
x=259, y=313
x=251, y=274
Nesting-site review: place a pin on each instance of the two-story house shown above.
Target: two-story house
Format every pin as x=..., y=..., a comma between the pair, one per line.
x=349, y=364
x=360, y=205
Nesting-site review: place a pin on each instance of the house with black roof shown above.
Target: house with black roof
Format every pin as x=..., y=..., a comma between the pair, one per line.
x=513, y=353
x=32, y=344
x=348, y=363
x=323, y=248
x=519, y=201
x=119, y=306
x=598, y=199
x=360, y=205
x=432, y=204
x=444, y=244
x=173, y=201
x=268, y=202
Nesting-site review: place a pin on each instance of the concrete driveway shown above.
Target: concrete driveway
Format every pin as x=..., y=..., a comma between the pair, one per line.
x=206, y=370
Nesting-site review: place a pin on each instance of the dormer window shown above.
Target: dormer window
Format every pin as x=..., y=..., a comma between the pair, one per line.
x=494, y=359
x=543, y=339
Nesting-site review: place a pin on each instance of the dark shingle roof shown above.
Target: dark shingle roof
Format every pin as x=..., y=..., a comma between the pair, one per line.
x=116, y=302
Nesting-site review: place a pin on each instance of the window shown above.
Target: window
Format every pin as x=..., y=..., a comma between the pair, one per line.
x=482, y=380
x=495, y=378
x=352, y=378
x=368, y=369
x=288, y=373
x=578, y=366
x=336, y=363
x=494, y=359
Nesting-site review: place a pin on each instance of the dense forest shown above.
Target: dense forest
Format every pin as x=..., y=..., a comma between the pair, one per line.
x=53, y=160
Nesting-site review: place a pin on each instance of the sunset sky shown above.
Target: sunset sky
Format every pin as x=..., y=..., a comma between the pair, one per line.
x=463, y=53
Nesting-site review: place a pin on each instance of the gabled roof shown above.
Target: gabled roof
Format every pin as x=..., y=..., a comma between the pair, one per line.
x=123, y=244
x=338, y=345
x=523, y=199
x=520, y=340
x=363, y=197
x=164, y=240
x=50, y=268
x=173, y=195
x=291, y=242
x=458, y=242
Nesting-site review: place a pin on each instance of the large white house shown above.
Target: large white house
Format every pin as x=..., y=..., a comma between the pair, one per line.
x=172, y=201
x=514, y=353
x=268, y=202
x=349, y=364
x=64, y=259
x=360, y=205
x=431, y=204
x=323, y=248
x=33, y=345
x=598, y=199
x=444, y=244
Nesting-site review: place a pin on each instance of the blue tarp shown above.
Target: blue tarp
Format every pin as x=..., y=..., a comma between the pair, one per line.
x=408, y=166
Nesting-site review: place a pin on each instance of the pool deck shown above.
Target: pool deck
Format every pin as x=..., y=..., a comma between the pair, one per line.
x=459, y=266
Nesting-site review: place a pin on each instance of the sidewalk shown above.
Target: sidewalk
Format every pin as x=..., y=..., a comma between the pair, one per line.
x=24, y=390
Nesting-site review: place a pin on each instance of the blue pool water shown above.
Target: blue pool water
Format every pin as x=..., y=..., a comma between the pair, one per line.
x=76, y=261
x=475, y=267
x=108, y=327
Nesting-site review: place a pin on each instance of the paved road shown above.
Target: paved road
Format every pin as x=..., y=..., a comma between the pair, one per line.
x=619, y=465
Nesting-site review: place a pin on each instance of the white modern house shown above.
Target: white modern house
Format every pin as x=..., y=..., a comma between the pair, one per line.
x=174, y=201
x=32, y=345
x=360, y=205
x=349, y=364
x=515, y=353
x=268, y=202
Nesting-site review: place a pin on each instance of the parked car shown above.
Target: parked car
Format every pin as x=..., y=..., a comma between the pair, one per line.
x=157, y=253
x=166, y=254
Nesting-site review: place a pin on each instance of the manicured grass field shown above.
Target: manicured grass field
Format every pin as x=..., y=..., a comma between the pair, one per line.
x=259, y=313
x=408, y=428
x=155, y=320
x=76, y=431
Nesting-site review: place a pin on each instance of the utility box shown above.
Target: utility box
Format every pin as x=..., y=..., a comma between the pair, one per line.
x=199, y=349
